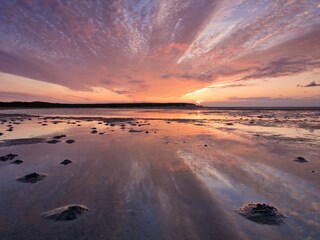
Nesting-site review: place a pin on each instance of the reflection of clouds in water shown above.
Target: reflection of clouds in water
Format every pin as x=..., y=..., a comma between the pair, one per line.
x=299, y=198
x=251, y=181
x=295, y=188
x=205, y=171
x=138, y=181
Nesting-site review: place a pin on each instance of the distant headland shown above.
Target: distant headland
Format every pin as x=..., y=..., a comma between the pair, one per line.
x=37, y=104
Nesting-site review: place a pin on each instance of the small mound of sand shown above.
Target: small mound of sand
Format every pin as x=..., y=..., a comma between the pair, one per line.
x=300, y=160
x=261, y=213
x=32, y=177
x=66, y=213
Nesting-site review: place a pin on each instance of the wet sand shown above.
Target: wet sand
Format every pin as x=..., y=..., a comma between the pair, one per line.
x=154, y=175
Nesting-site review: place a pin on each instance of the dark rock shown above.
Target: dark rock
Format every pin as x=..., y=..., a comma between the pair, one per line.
x=66, y=162
x=54, y=141
x=59, y=136
x=32, y=177
x=10, y=156
x=21, y=141
x=4, y=158
x=18, y=161
x=70, y=141
x=229, y=124
x=261, y=213
x=66, y=213
x=135, y=131
x=94, y=131
x=300, y=160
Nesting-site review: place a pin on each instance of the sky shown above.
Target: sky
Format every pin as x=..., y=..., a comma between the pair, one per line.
x=210, y=52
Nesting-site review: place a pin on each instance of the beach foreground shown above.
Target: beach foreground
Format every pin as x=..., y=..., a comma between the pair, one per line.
x=159, y=174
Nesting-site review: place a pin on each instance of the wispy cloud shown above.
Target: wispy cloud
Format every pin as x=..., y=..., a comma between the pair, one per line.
x=266, y=102
x=312, y=84
x=230, y=85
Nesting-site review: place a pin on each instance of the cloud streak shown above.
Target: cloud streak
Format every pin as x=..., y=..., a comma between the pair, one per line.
x=311, y=84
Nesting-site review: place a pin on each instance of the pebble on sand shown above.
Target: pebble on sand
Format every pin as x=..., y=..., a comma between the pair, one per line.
x=70, y=141
x=32, y=177
x=261, y=213
x=66, y=213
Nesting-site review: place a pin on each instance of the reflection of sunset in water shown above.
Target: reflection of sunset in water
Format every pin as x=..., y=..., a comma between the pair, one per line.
x=181, y=171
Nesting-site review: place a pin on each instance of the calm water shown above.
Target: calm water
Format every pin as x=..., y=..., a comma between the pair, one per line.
x=183, y=179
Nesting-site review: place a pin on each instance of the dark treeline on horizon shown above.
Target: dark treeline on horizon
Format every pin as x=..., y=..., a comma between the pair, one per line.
x=38, y=104
x=94, y=105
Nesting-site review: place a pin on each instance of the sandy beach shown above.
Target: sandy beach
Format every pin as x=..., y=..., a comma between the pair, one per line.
x=158, y=174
